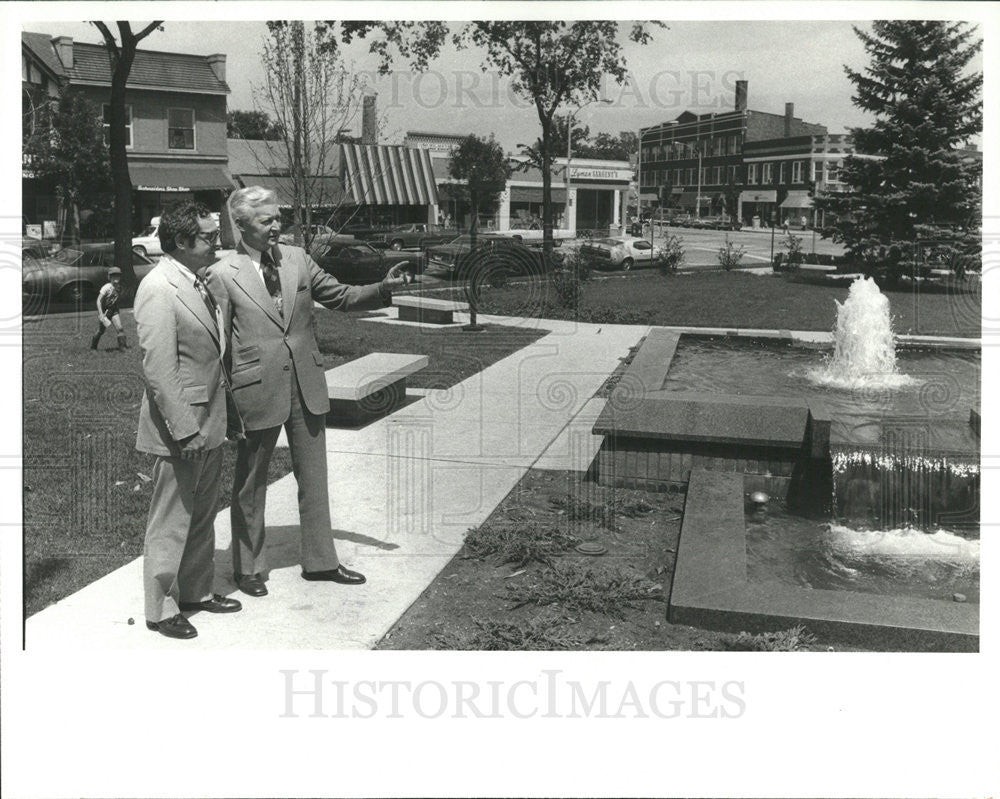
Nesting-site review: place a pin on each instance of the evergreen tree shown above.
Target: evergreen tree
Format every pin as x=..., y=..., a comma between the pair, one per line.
x=914, y=193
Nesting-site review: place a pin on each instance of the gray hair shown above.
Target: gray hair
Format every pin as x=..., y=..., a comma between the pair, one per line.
x=242, y=202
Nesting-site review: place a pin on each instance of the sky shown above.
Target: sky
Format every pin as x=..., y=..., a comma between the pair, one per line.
x=688, y=66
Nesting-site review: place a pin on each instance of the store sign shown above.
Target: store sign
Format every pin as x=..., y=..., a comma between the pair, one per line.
x=581, y=173
x=162, y=188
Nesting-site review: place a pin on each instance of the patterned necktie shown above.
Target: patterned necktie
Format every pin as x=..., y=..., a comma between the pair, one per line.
x=206, y=296
x=271, y=280
x=210, y=304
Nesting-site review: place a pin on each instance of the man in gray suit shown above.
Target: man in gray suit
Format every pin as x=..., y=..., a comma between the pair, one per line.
x=266, y=291
x=182, y=422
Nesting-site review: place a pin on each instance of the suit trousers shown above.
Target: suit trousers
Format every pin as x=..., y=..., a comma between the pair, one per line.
x=306, y=433
x=180, y=533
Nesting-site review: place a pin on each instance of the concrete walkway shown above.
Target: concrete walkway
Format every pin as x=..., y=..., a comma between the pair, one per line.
x=404, y=491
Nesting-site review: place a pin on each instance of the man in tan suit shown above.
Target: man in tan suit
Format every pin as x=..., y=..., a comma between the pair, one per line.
x=182, y=422
x=266, y=291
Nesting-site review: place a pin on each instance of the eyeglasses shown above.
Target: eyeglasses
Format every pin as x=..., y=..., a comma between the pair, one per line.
x=208, y=238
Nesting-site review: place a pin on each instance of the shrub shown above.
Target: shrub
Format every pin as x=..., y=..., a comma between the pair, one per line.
x=793, y=244
x=673, y=255
x=731, y=255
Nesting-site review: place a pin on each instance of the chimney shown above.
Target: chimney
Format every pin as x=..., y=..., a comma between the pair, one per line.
x=789, y=113
x=63, y=46
x=741, y=95
x=217, y=61
x=369, y=121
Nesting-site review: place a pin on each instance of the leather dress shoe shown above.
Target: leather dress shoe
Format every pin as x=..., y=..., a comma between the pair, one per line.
x=338, y=575
x=217, y=604
x=252, y=584
x=174, y=627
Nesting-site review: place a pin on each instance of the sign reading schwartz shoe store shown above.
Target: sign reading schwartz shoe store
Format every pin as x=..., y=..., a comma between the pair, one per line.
x=162, y=188
x=592, y=173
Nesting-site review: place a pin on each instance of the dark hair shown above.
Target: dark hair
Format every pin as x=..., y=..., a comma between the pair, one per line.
x=181, y=219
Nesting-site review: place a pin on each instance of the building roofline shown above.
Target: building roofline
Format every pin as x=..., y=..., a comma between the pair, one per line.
x=149, y=88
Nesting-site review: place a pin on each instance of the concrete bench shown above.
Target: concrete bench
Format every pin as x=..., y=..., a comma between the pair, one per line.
x=414, y=308
x=370, y=387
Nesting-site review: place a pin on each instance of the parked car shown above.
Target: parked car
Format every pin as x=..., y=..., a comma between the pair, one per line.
x=148, y=242
x=74, y=274
x=414, y=234
x=288, y=234
x=356, y=262
x=501, y=256
x=360, y=230
x=620, y=253
x=37, y=248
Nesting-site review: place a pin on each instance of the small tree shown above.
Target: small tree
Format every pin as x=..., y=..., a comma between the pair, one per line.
x=122, y=55
x=482, y=169
x=312, y=98
x=917, y=193
x=67, y=148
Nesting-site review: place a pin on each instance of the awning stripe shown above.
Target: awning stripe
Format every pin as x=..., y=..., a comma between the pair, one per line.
x=388, y=175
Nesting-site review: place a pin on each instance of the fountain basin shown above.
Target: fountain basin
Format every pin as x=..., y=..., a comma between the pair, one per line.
x=713, y=414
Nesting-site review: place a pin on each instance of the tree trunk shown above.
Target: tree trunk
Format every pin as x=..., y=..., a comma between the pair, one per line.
x=474, y=279
x=547, y=238
x=119, y=165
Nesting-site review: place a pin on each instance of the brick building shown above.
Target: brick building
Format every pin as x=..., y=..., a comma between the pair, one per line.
x=693, y=162
x=176, y=112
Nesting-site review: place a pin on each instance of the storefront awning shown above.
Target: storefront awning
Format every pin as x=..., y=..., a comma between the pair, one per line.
x=533, y=194
x=180, y=177
x=759, y=196
x=381, y=174
x=797, y=199
x=323, y=191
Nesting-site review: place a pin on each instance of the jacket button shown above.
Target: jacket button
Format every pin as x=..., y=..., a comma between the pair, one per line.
x=287, y=367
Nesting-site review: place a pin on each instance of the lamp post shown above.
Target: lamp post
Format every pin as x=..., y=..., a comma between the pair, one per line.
x=569, y=148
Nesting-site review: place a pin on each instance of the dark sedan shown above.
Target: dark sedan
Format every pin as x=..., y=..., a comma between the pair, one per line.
x=356, y=262
x=497, y=256
x=74, y=274
x=413, y=235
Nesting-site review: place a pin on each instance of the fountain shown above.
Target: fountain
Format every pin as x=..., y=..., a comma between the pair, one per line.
x=864, y=354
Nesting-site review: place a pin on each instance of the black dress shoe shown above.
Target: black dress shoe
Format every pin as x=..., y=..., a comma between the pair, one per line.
x=174, y=627
x=252, y=584
x=338, y=575
x=217, y=604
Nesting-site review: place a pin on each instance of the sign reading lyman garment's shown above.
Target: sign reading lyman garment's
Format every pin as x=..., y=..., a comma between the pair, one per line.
x=582, y=173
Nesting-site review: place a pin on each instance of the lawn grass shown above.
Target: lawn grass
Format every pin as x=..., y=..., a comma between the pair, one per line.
x=736, y=299
x=86, y=492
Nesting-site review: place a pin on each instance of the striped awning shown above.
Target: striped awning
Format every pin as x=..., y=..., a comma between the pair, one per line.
x=382, y=174
x=797, y=199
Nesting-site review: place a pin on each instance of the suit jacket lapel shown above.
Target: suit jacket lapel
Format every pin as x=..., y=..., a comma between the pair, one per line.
x=248, y=280
x=289, y=286
x=191, y=299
